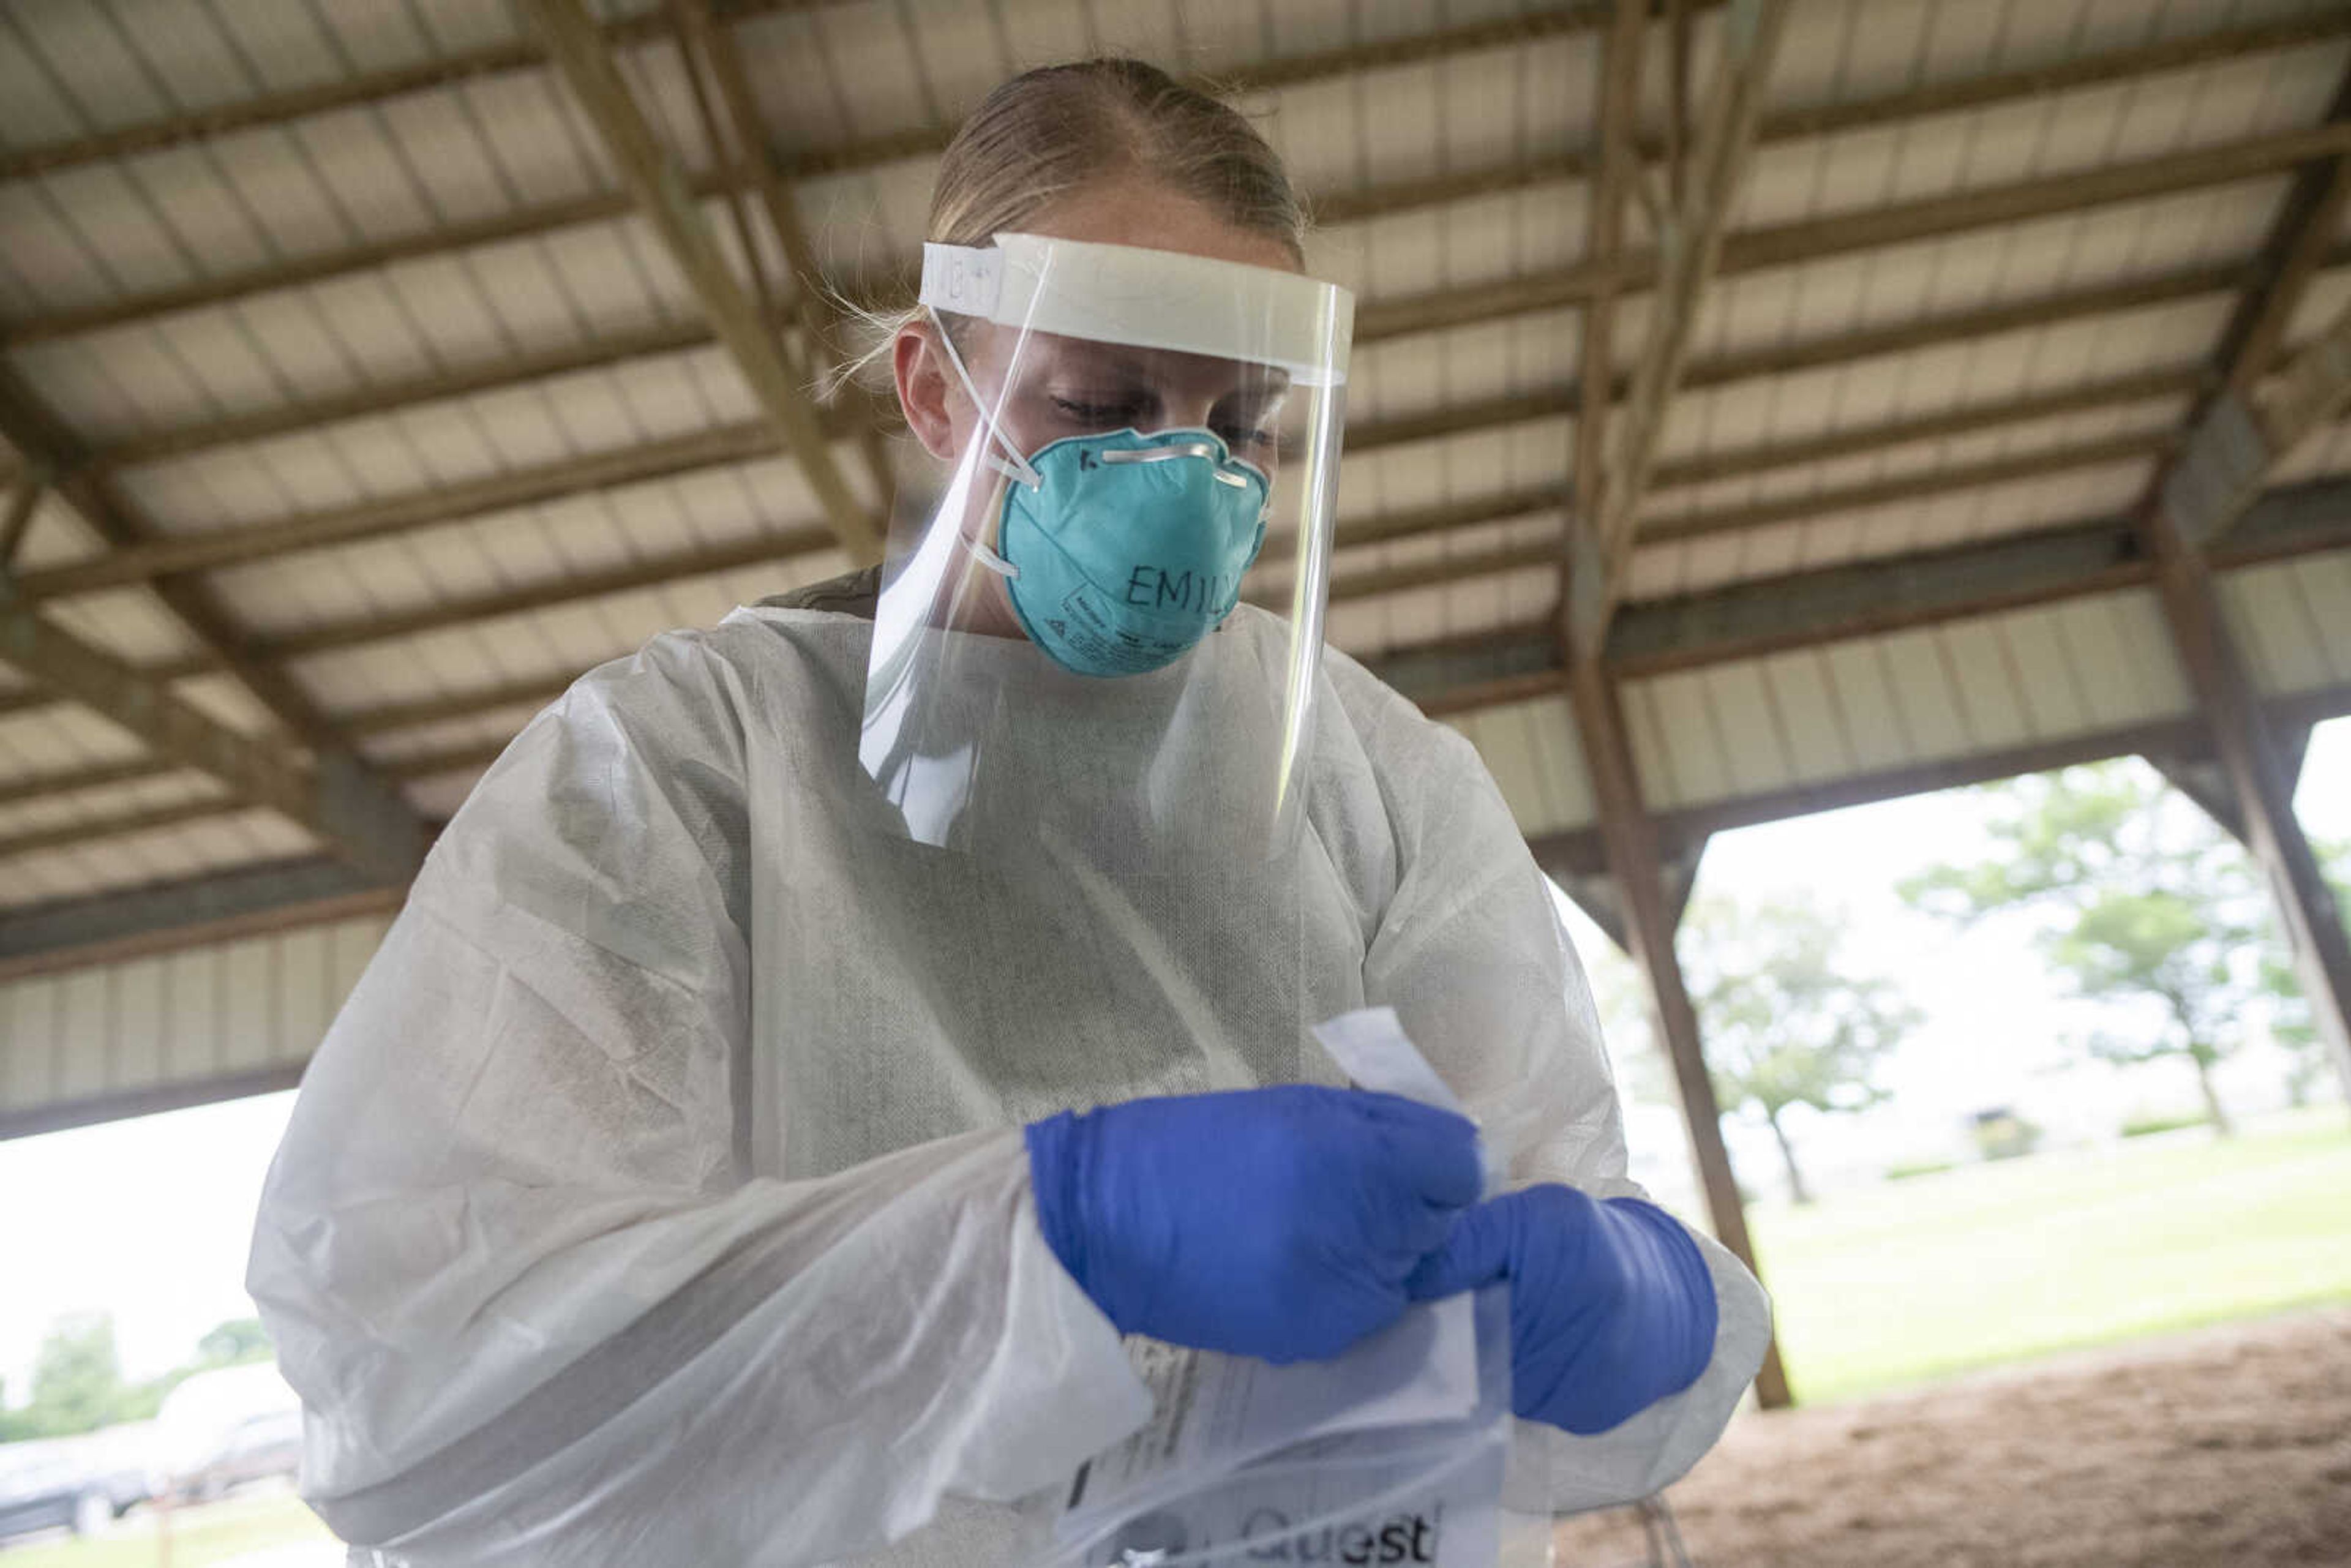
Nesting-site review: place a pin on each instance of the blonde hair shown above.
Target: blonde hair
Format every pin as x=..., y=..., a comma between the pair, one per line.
x=1054, y=130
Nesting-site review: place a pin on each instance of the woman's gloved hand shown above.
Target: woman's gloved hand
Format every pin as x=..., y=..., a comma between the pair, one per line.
x=1612, y=1305
x=1277, y=1222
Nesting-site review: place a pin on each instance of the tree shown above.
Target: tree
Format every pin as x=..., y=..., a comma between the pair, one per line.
x=234, y=1343
x=1784, y=1024
x=77, y=1379
x=2138, y=899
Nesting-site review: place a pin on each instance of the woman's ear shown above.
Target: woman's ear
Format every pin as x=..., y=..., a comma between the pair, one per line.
x=926, y=387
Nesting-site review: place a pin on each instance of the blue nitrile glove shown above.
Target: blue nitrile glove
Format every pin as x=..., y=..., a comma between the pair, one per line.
x=1611, y=1306
x=1277, y=1222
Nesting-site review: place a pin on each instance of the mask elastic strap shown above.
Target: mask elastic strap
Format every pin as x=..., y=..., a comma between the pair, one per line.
x=1018, y=467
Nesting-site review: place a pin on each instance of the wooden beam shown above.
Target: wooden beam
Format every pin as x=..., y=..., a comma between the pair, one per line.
x=528, y=690
x=1633, y=859
x=496, y=372
x=2235, y=443
x=117, y=824
x=1619, y=100
x=603, y=207
x=26, y=500
x=661, y=194
x=166, y=555
x=348, y=810
x=826, y=329
x=1803, y=609
x=1909, y=488
x=510, y=57
x=1688, y=253
x=164, y=917
x=1581, y=849
x=1764, y=456
x=2252, y=759
x=506, y=372
x=2308, y=226
x=1332, y=207
x=363, y=819
x=706, y=559
x=1901, y=223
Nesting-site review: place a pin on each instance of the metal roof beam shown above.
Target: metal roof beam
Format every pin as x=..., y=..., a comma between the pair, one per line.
x=2243, y=429
x=1339, y=207
x=1689, y=247
x=704, y=560
x=827, y=330
x=2074, y=304
x=218, y=906
x=1804, y=609
x=661, y=192
x=215, y=548
x=1619, y=98
x=1903, y=222
x=347, y=807
x=1580, y=848
x=359, y=815
x=1829, y=604
x=1909, y=488
x=508, y=57
x=1332, y=207
x=522, y=54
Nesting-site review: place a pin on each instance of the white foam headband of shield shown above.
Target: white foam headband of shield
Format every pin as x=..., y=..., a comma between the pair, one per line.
x=1148, y=299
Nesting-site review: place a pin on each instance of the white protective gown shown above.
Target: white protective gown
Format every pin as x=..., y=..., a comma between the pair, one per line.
x=603, y=1235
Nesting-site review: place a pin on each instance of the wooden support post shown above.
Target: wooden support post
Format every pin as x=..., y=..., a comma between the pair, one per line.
x=2261, y=782
x=1630, y=840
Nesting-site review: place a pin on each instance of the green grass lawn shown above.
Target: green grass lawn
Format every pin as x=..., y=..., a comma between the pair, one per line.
x=214, y=1533
x=1917, y=1278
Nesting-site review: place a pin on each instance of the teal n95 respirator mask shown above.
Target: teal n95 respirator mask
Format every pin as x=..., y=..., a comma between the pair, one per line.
x=1126, y=549
x=1154, y=457
x=1121, y=552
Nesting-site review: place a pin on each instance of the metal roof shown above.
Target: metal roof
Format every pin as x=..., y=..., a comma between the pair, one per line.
x=360, y=401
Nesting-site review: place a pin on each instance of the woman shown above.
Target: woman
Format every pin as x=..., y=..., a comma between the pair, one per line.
x=700, y=1172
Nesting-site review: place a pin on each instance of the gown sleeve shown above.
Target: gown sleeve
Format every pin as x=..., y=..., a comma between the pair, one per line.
x=1471, y=954
x=537, y=1307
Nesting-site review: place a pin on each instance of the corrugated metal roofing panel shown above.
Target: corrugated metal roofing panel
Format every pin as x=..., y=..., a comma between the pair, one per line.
x=1933, y=718
x=2291, y=643
x=1755, y=746
x=178, y=1019
x=131, y=859
x=1984, y=681
x=59, y=739
x=2048, y=685
x=102, y=804
x=1896, y=284
x=2149, y=655
x=1697, y=765
x=2325, y=584
x=1808, y=715
x=1876, y=727
x=1644, y=733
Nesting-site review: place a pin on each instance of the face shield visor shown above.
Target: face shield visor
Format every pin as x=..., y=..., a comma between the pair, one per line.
x=1111, y=621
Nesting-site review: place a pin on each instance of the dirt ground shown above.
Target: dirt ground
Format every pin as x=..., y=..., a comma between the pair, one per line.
x=2228, y=1448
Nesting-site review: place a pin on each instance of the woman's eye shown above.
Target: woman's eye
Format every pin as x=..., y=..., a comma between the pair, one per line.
x=1247, y=438
x=1089, y=411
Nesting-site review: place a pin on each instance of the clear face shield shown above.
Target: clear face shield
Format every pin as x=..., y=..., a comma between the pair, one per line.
x=1066, y=867
x=1112, y=622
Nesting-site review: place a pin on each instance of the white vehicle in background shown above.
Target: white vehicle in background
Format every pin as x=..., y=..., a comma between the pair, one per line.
x=221, y=1430
x=84, y=1483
